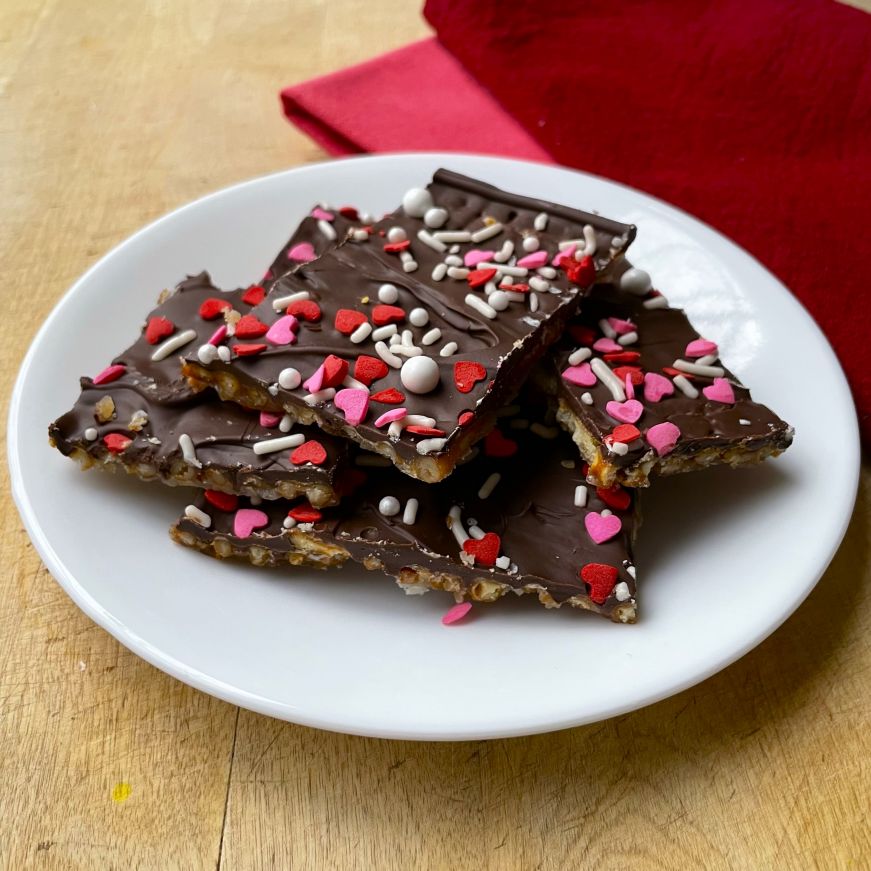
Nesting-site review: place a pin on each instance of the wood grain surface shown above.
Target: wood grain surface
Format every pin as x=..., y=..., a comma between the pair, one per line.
x=115, y=112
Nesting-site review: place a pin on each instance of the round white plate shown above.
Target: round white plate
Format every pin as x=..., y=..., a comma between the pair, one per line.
x=724, y=556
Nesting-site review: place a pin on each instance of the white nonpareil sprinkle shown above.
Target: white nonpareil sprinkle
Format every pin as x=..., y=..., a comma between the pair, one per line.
x=361, y=333
x=224, y=354
x=389, y=506
x=480, y=306
x=606, y=512
x=530, y=243
x=431, y=446
x=90, y=434
x=449, y=349
x=488, y=486
x=453, y=236
x=498, y=300
x=286, y=423
x=319, y=396
x=387, y=356
x=207, y=354
x=458, y=272
x=695, y=369
x=327, y=229
x=619, y=448
x=743, y=421
x=545, y=432
x=431, y=336
x=282, y=302
x=396, y=234
x=685, y=386
x=587, y=398
x=487, y=232
x=385, y=332
x=607, y=329
x=435, y=218
x=439, y=271
x=540, y=222
x=289, y=378
x=655, y=302
x=185, y=442
x=431, y=241
x=173, y=343
x=199, y=517
x=603, y=372
x=409, y=515
x=539, y=283
x=418, y=317
x=417, y=202
x=628, y=339
x=388, y=293
x=621, y=591
x=455, y=524
x=475, y=531
x=635, y=281
x=270, y=446
x=579, y=356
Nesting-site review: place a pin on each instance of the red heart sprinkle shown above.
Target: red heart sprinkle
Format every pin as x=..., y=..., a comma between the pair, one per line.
x=425, y=430
x=223, y=501
x=350, y=213
x=368, y=369
x=673, y=373
x=479, y=277
x=335, y=370
x=485, y=550
x=581, y=272
x=396, y=247
x=635, y=374
x=466, y=418
x=468, y=373
x=391, y=396
x=614, y=497
x=623, y=357
x=305, y=514
x=306, y=310
x=254, y=295
x=158, y=328
x=212, y=308
x=347, y=320
x=311, y=451
x=498, y=445
x=601, y=579
x=387, y=314
x=581, y=334
x=625, y=433
x=117, y=443
x=516, y=288
x=249, y=327
x=248, y=350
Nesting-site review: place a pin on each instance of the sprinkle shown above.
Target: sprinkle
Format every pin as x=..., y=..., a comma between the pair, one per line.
x=512, y=271
x=361, y=333
x=608, y=378
x=116, y=443
x=700, y=348
x=305, y=310
x=289, y=378
x=720, y=391
x=580, y=496
x=409, y=515
x=467, y=373
x=303, y=252
x=435, y=217
x=453, y=236
x=288, y=523
x=385, y=354
x=384, y=332
x=418, y=317
x=540, y=222
x=619, y=448
x=354, y=402
x=268, y=420
x=212, y=308
x=505, y=252
x=282, y=302
x=327, y=229
x=742, y=420
x=440, y=270
x=368, y=369
x=533, y=302
x=283, y=331
x=158, y=328
x=409, y=264
x=602, y=527
x=488, y=486
x=498, y=300
x=458, y=272
x=110, y=374
x=390, y=416
x=547, y=272
x=270, y=446
x=635, y=281
x=286, y=423
x=695, y=369
x=530, y=243
x=621, y=591
x=431, y=446
x=250, y=327
x=628, y=339
x=90, y=434
x=431, y=336
x=391, y=396
x=626, y=412
x=224, y=354
x=545, y=432
x=246, y=520
x=606, y=346
x=485, y=233
x=534, y=260
x=456, y=613
x=475, y=531
x=311, y=451
x=683, y=384
x=430, y=240
x=707, y=360
x=389, y=506
x=579, y=356
x=272, y=389
x=185, y=442
x=420, y=374
x=449, y=349
x=455, y=524
x=485, y=550
x=601, y=579
x=197, y=516
x=319, y=396
x=512, y=297
x=219, y=335
x=658, y=301
x=480, y=306
x=382, y=315
x=417, y=202
x=173, y=344
x=396, y=234
x=587, y=398
x=581, y=375
x=360, y=235
x=663, y=437
x=590, y=242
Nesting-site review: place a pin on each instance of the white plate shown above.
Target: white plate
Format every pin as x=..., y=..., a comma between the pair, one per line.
x=724, y=556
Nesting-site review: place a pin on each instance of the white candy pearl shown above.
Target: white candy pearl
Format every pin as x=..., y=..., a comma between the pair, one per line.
x=396, y=234
x=419, y=374
x=435, y=218
x=389, y=506
x=530, y=243
x=289, y=378
x=417, y=202
x=388, y=293
x=635, y=281
x=419, y=317
x=498, y=300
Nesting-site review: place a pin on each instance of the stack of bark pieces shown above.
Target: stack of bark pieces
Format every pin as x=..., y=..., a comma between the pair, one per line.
x=465, y=395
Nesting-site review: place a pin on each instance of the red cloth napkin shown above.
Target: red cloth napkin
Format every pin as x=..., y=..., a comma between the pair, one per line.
x=755, y=117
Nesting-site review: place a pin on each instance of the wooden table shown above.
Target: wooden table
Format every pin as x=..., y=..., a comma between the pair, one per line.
x=115, y=112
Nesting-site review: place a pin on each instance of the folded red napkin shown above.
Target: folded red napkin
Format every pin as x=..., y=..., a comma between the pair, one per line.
x=755, y=117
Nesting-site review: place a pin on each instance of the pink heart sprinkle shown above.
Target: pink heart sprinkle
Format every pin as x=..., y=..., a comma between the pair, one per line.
x=302, y=252
x=475, y=256
x=700, y=348
x=629, y=386
x=314, y=382
x=564, y=255
x=625, y=412
x=620, y=326
x=602, y=529
x=534, y=260
x=321, y=215
x=656, y=386
x=606, y=346
x=219, y=335
x=110, y=373
x=269, y=420
x=720, y=391
x=247, y=520
x=390, y=416
x=456, y=613
x=355, y=404
x=663, y=437
x=283, y=331
x=582, y=375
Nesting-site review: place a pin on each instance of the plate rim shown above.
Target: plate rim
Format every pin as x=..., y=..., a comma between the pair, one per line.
x=252, y=701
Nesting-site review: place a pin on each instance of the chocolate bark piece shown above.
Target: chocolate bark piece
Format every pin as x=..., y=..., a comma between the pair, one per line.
x=686, y=408
x=145, y=418
x=435, y=278
x=532, y=518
